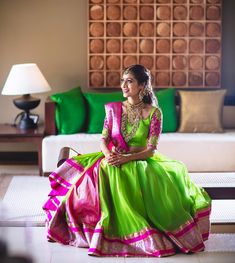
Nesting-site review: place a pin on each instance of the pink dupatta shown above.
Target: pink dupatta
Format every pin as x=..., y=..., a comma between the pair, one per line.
x=114, y=115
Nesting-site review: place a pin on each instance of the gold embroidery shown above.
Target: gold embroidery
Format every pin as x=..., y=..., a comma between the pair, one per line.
x=132, y=116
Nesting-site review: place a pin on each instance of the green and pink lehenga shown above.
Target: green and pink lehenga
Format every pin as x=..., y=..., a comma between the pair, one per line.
x=142, y=208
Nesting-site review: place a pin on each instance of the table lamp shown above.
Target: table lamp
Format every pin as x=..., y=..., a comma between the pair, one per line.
x=25, y=79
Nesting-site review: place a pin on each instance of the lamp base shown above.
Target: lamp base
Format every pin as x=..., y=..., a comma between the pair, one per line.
x=26, y=122
x=26, y=103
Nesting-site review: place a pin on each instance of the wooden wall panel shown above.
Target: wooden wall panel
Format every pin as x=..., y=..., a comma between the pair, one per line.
x=178, y=40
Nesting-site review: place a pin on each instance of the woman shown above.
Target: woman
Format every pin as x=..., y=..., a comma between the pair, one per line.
x=128, y=200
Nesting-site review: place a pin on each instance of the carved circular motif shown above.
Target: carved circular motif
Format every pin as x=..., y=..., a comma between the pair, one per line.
x=212, y=62
x=146, y=46
x=196, y=46
x=130, y=29
x=129, y=60
x=196, y=12
x=96, y=12
x=97, y=29
x=195, y=78
x=179, y=62
x=113, y=29
x=96, y=46
x=164, y=13
x=163, y=46
x=96, y=62
x=129, y=46
x=162, y=79
x=179, y=78
x=96, y=79
x=162, y=62
x=146, y=13
x=146, y=29
x=180, y=29
x=113, y=12
x=146, y=61
x=212, y=45
x=163, y=29
x=130, y=12
x=113, y=45
x=113, y=79
x=213, y=12
x=196, y=62
x=113, y=62
x=180, y=13
x=212, y=78
x=213, y=29
x=179, y=46
x=196, y=29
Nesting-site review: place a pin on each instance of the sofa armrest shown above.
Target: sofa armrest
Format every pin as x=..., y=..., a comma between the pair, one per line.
x=50, y=125
x=64, y=154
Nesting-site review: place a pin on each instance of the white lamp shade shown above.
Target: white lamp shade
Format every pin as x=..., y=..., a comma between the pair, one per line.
x=25, y=79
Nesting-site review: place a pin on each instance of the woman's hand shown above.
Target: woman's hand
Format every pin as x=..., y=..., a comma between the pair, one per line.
x=116, y=159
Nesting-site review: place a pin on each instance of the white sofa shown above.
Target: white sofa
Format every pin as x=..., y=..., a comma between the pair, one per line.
x=201, y=152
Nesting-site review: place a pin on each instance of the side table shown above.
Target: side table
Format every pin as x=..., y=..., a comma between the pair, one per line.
x=10, y=133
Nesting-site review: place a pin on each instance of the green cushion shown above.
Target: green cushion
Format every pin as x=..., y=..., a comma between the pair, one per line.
x=96, y=112
x=77, y=111
x=70, y=111
x=166, y=101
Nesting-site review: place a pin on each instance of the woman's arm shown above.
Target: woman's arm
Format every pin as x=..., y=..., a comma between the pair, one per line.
x=104, y=147
x=148, y=152
x=118, y=159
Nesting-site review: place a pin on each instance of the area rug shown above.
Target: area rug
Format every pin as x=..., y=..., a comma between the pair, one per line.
x=22, y=203
x=25, y=196
x=220, y=243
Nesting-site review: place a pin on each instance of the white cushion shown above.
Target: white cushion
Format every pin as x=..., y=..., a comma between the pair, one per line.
x=201, y=152
x=81, y=142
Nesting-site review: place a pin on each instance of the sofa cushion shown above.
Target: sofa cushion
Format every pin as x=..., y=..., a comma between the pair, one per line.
x=70, y=111
x=166, y=101
x=79, y=112
x=95, y=109
x=201, y=111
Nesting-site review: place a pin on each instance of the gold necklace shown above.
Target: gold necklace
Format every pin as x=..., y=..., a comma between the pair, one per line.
x=132, y=116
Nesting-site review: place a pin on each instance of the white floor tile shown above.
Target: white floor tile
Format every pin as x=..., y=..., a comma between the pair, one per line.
x=218, y=257
x=32, y=241
x=60, y=257
x=178, y=258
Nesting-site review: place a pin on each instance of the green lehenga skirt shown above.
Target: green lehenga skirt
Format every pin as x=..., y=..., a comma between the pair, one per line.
x=142, y=208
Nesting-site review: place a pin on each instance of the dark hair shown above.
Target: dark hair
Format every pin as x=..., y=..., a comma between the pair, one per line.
x=143, y=77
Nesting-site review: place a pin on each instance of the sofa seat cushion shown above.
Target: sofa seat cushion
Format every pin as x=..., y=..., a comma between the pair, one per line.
x=81, y=142
x=201, y=152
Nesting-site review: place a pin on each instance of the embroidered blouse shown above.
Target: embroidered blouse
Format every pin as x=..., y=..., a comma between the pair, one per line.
x=147, y=133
